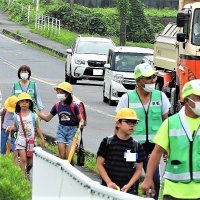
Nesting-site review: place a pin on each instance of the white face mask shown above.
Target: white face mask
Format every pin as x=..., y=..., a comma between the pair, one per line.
x=196, y=109
x=61, y=97
x=24, y=75
x=149, y=87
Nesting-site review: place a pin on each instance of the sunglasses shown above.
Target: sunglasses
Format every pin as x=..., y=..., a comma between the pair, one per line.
x=129, y=121
x=150, y=77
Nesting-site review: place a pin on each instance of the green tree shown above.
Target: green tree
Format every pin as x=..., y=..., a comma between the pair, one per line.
x=123, y=7
x=139, y=28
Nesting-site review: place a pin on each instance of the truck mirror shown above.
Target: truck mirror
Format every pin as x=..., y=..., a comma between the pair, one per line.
x=180, y=37
x=180, y=20
x=107, y=65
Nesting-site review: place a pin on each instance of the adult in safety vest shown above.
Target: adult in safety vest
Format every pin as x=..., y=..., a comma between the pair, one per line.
x=152, y=107
x=26, y=85
x=179, y=135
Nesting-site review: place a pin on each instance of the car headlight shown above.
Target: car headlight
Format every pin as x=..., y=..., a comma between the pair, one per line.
x=118, y=78
x=79, y=61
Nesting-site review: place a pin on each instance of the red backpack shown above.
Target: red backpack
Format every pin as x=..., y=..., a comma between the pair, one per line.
x=81, y=109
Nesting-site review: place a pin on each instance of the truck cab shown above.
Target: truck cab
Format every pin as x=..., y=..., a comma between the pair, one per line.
x=119, y=69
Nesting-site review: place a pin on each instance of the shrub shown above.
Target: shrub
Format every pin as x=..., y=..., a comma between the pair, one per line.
x=13, y=184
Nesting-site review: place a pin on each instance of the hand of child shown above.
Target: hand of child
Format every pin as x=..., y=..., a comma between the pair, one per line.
x=8, y=129
x=125, y=188
x=112, y=185
x=43, y=143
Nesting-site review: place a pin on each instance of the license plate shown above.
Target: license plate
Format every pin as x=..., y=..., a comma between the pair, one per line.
x=97, y=72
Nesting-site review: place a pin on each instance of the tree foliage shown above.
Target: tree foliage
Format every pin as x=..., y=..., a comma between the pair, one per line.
x=123, y=8
x=139, y=28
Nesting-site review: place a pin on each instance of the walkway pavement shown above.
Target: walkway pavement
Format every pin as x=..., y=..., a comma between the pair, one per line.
x=7, y=26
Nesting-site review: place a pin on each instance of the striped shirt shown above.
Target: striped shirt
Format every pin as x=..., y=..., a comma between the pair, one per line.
x=118, y=169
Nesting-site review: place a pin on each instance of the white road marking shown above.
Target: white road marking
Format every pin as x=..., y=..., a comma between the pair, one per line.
x=53, y=84
x=10, y=39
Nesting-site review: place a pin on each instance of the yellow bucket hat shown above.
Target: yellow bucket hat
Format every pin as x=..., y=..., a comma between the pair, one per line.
x=23, y=96
x=64, y=86
x=10, y=103
x=191, y=87
x=144, y=69
x=126, y=113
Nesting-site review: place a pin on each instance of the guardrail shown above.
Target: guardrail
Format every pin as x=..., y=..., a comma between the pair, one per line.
x=47, y=23
x=56, y=179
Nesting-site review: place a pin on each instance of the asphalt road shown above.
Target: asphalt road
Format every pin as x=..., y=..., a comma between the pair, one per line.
x=48, y=71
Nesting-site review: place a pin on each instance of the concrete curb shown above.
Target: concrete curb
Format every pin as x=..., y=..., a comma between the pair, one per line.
x=22, y=38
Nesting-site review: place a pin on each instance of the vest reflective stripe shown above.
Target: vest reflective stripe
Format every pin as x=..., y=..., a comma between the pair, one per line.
x=176, y=133
x=142, y=139
x=151, y=119
x=177, y=177
x=183, y=164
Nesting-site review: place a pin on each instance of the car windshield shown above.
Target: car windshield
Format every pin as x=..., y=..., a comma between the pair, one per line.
x=196, y=28
x=127, y=62
x=93, y=47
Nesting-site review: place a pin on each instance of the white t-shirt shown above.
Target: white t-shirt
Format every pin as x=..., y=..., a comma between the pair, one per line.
x=29, y=129
x=123, y=103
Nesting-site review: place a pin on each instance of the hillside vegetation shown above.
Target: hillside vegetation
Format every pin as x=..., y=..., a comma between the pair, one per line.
x=90, y=21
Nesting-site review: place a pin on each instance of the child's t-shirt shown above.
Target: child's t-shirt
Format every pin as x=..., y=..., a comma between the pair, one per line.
x=28, y=126
x=65, y=115
x=119, y=170
x=8, y=119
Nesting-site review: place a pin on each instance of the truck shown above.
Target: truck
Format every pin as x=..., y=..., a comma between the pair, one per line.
x=177, y=52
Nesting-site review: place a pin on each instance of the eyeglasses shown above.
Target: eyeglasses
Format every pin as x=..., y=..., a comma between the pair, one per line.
x=130, y=121
x=150, y=77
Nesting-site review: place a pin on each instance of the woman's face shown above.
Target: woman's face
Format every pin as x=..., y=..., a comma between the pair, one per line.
x=24, y=74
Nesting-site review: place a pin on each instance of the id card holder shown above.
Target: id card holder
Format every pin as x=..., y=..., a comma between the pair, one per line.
x=130, y=157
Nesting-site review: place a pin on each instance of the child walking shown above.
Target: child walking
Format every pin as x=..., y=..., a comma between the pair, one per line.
x=120, y=158
x=69, y=118
x=7, y=119
x=26, y=125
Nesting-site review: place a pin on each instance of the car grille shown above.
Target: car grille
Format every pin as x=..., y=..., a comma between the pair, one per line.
x=93, y=63
x=129, y=84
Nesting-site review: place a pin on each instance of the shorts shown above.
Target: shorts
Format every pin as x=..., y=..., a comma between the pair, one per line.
x=65, y=134
x=5, y=139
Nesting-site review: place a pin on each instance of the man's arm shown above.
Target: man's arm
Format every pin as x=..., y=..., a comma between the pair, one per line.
x=153, y=163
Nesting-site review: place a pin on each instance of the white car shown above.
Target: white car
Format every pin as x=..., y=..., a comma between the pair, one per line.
x=86, y=58
x=119, y=69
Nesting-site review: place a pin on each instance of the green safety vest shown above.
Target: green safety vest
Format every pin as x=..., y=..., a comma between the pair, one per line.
x=183, y=164
x=30, y=90
x=150, y=120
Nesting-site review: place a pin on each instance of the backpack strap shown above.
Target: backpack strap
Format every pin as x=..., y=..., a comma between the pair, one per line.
x=3, y=116
x=72, y=108
x=34, y=120
x=57, y=105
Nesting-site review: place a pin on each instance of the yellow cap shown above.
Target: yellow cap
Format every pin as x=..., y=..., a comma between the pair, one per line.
x=64, y=86
x=10, y=103
x=23, y=96
x=191, y=87
x=126, y=113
